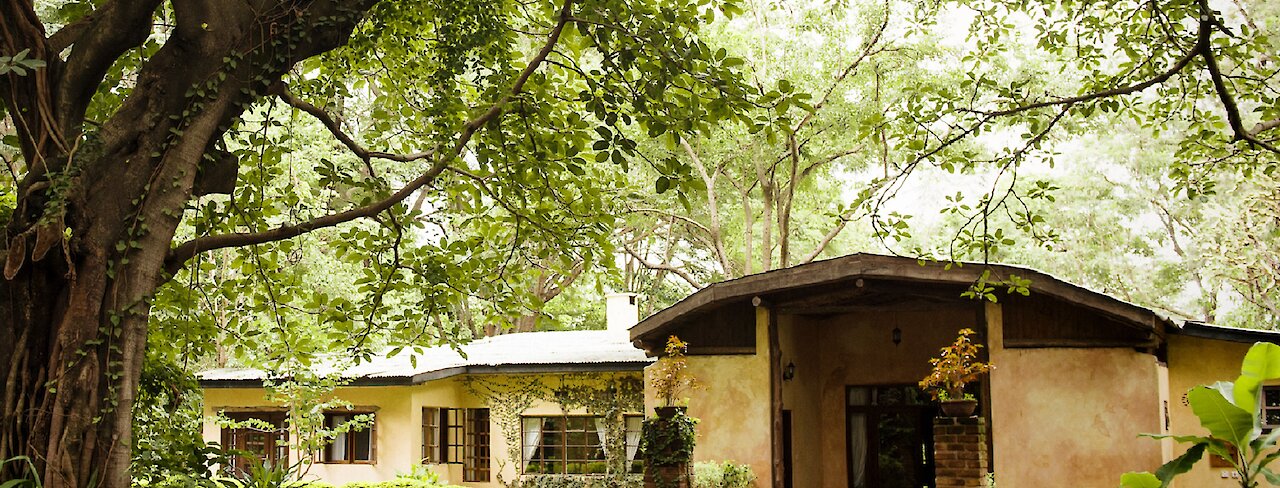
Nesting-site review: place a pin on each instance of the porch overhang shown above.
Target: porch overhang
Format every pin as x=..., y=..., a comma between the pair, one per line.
x=860, y=282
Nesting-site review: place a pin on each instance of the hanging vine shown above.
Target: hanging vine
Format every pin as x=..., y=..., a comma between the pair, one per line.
x=609, y=395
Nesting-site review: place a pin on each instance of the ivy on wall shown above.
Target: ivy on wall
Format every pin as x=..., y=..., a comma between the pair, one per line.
x=609, y=395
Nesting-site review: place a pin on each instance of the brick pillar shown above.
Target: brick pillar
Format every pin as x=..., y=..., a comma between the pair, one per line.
x=960, y=451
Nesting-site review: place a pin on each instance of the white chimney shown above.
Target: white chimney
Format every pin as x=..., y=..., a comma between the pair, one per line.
x=621, y=311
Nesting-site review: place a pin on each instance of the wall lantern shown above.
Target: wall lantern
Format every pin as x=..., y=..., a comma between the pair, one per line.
x=897, y=336
x=789, y=372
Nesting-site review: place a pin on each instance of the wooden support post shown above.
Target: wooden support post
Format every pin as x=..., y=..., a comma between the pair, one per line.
x=777, y=474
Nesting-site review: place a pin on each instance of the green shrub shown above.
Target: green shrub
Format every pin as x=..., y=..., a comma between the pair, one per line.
x=577, y=481
x=396, y=483
x=668, y=441
x=598, y=467
x=723, y=475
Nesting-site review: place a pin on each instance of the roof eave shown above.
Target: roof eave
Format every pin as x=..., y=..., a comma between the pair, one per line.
x=417, y=379
x=871, y=266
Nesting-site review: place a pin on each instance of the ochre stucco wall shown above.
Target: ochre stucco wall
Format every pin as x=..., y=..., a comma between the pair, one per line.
x=733, y=406
x=851, y=350
x=1071, y=417
x=398, y=417
x=1194, y=361
x=399, y=427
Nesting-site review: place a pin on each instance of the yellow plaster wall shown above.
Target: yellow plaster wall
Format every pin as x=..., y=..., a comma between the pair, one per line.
x=858, y=349
x=1070, y=417
x=1195, y=361
x=855, y=349
x=399, y=427
x=733, y=406
x=398, y=447
x=802, y=395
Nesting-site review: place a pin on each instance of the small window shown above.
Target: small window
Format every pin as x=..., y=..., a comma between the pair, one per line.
x=457, y=436
x=351, y=447
x=563, y=445
x=1270, y=406
x=632, y=432
x=475, y=463
x=265, y=441
x=454, y=434
x=431, y=436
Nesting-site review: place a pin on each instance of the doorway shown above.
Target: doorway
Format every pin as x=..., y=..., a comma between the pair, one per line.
x=889, y=439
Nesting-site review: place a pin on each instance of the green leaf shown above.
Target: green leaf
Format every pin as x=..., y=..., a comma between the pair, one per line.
x=662, y=184
x=1222, y=418
x=1135, y=479
x=1271, y=476
x=1180, y=464
x=1260, y=364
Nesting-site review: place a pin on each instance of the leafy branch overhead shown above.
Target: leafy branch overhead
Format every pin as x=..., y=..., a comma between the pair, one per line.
x=162, y=163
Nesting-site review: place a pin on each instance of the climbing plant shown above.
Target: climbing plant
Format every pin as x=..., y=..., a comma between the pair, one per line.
x=609, y=395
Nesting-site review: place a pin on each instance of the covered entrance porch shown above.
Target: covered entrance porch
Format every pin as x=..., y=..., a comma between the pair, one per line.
x=811, y=373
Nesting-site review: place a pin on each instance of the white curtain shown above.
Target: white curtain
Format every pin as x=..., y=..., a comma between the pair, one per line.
x=633, y=436
x=858, y=437
x=604, y=441
x=532, y=436
x=338, y=449
x=858, y=450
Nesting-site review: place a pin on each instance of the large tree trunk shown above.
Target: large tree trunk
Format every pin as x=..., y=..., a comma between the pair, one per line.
x=97, y=211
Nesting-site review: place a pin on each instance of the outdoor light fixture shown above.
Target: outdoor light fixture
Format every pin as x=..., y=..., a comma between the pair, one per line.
x=897, y=336
x=789, y=372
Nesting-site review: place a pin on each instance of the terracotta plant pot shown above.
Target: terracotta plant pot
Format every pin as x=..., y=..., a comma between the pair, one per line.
x=959, y=408
x=668, y=412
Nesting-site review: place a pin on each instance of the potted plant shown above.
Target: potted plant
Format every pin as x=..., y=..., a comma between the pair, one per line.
x=670, y=377
x=667, y=439
x=956, y=366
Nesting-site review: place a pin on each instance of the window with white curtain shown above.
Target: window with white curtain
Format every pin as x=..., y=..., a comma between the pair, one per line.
x=563, y=445
x=353, y=446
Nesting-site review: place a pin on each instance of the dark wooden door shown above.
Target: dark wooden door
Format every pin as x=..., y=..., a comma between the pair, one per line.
x=889, y=437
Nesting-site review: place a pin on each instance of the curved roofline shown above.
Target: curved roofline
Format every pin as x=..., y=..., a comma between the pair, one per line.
x=877, y=266
x=1195, y=328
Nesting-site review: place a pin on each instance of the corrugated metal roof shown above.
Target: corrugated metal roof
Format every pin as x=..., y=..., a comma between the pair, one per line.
x=539, y=351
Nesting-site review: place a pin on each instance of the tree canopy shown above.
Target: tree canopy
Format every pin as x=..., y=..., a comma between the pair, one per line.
x=272, y=179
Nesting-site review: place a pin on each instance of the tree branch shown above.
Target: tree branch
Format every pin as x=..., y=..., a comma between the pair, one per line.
x=684, y=275
x=97, y=41
x=1264, y=126
x=713, y=205
x=179, y=255
x=1117, y=91
x=1204, y=47
x=673, y=215
x=826, y=240
x=282, y=90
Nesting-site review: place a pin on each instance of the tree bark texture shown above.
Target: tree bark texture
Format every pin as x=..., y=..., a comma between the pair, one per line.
x=97, y=210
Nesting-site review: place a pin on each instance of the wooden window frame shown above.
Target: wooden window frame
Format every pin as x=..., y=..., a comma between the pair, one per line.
x=635, y=466
x=461, y=436
x=476, y=450
x=564, y=461
x=351, y=439
x=1264, y=409
x=431, y=436
x=276, y=442
x=453, y=438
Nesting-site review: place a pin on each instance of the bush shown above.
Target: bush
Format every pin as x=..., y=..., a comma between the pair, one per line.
x=597, y=468
x=723, y=475
x=577, y=481
x=396, y=483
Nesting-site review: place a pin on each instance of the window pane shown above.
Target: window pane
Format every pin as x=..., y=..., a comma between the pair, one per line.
x=338, y=449
x=363, y=441
x=859, y=396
